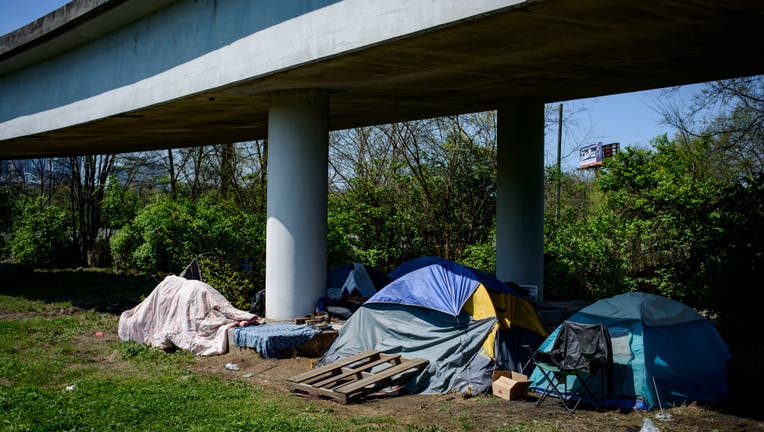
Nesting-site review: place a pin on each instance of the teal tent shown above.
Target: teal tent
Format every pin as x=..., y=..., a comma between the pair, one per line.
x=663, y=351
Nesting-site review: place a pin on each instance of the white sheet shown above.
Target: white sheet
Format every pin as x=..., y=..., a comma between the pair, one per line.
x=187, y=314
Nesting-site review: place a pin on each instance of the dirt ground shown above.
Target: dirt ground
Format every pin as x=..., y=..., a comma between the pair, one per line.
x=481, y=412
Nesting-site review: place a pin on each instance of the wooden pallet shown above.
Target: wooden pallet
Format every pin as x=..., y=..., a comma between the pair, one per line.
x=351, y=378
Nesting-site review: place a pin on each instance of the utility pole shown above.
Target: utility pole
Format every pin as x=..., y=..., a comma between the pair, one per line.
x=559, y=168
x=172, y=172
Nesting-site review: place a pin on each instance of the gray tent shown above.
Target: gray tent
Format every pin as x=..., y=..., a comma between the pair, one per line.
x=464, y=323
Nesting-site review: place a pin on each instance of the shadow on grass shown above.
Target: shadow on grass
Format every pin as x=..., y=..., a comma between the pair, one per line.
x=97, y=289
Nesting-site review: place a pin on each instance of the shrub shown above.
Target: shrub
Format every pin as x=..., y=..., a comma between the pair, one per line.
x=481, y=256
x=236, y=284
x=40, y=235
x=580, y=261
x=157, y=239
x=167, y=234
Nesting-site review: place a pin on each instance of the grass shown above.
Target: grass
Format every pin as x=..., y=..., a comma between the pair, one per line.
x=52, y=377
x=44, y=351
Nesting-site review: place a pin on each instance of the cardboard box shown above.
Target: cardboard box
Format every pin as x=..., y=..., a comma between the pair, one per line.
x=510, y=385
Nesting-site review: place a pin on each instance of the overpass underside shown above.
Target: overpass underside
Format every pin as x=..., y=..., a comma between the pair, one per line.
x=108, y=76
x=544, y=50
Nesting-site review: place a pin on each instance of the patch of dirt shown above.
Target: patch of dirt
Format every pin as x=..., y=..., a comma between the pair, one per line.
x=482, y=412
x=97, y=347
x=12, y=316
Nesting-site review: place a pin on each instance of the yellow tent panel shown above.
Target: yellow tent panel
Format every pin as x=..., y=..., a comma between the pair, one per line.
x=480, y=306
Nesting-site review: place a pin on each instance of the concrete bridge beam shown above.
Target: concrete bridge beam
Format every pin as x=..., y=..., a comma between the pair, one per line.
x=520, y=193
x=295, y=251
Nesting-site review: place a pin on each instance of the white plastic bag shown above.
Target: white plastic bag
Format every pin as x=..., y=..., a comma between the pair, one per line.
x=648, y=426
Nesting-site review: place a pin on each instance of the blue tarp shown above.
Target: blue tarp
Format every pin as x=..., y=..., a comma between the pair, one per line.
x=270, y=340
x=451, y=344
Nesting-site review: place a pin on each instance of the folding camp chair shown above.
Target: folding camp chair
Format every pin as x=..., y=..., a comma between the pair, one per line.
x=580, y=351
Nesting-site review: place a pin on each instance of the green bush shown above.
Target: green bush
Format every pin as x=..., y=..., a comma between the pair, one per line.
x=237, y=285
x=661, y=220
x=580, y=261
x=371, y=226
x=738, y=259
x=123, y=243
x=119, y=205
x=157, y=239
x=168, y=233
x=40, y=235
x=481, y=256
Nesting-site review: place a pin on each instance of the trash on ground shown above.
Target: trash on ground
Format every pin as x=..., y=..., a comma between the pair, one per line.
x=664, y=416
x=232, y=366
x=648, y=426
x=510, y=385
x=71, y=387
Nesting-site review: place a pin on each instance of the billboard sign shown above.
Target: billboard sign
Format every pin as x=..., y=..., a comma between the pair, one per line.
x=588, y=155
x=591, y=156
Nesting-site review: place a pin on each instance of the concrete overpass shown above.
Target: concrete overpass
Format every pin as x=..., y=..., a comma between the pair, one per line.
x=100, y=76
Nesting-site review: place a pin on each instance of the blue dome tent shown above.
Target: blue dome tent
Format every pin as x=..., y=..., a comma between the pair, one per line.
x=663, y=350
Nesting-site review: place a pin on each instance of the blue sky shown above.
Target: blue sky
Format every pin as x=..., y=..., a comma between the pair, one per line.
x=17, y=13
x=629, y=118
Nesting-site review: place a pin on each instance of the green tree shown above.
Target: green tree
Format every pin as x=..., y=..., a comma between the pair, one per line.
x=40, y=234
x=119, y=206
x=735, y=257
x=415, y=188
x=730, y=114
x=664, y=207
x=87, y=184
x=6, y=219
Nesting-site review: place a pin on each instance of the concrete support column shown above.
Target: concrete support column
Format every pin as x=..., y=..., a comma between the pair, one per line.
x=520, y=194
x=295, y=245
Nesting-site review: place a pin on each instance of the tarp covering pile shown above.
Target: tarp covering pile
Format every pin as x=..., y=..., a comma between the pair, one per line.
x=464, y=322
x=663, y=350
x=348, y=286
x=182, y=313
x=356, y=279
